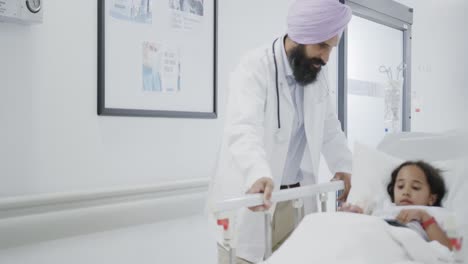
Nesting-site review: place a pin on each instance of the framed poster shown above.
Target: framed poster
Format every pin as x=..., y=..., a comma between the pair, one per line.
x=157, y=58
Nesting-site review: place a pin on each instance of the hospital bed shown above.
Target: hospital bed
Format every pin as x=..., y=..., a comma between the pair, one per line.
x=296, y=195
x=447, y=150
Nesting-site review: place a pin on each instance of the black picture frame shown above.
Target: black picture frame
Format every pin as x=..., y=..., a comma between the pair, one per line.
x=104, y=110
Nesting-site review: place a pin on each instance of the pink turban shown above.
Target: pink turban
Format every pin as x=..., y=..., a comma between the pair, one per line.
x=316, y=21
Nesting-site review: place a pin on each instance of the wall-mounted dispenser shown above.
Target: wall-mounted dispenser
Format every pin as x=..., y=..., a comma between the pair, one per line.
x=21, y=11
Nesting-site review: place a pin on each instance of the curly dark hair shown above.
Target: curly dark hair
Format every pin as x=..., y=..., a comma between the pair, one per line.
x=433, y=177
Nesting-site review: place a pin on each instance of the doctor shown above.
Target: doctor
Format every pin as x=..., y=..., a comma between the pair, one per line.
x=279, y=107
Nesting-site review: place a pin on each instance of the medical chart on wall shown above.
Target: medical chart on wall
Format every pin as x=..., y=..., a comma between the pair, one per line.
x=160, y=68
x=157, y=57
x=187, y=14
x=137, y=11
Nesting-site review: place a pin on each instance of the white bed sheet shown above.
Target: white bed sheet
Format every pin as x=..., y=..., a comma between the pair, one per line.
x=356, y=238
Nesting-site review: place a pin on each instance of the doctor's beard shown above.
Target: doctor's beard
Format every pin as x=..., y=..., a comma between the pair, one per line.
x=303, y=67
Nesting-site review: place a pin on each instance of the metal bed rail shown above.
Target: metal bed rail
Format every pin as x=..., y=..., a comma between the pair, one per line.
x=250, y=200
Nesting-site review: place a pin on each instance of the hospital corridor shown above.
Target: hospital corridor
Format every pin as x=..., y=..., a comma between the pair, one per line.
x=233, y=131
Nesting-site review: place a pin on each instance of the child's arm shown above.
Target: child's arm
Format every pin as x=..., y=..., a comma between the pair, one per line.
x=433, y=230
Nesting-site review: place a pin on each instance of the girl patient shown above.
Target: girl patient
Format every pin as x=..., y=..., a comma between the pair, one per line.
x=415, y=183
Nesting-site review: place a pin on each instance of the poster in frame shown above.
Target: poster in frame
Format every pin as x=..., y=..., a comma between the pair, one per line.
x=157, y=58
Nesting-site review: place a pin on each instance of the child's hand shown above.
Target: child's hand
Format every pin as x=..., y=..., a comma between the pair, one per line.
x=347, y=207
x=407, y=215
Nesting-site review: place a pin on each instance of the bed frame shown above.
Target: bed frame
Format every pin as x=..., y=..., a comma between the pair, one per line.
x=250, y=200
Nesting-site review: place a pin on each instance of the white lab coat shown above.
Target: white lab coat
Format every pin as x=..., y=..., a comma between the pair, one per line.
x=254, y=147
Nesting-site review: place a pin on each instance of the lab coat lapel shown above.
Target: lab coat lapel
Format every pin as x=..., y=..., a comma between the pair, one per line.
x=286, y=103
x=314, y=114
x=282, y=82
x=283, y=135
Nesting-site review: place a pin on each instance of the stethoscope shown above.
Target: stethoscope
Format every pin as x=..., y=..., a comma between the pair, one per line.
x=276, y=83
x=277, y=87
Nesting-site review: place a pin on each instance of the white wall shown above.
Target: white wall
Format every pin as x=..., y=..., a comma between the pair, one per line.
x=51, y=139
x=440, y=63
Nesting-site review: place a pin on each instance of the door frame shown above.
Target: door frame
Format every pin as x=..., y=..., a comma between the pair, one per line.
x=391, y=14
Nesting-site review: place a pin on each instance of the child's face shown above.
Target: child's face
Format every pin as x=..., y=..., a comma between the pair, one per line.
x=411, y=187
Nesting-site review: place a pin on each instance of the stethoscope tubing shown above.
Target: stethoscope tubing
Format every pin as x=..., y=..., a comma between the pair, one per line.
x=276, y=83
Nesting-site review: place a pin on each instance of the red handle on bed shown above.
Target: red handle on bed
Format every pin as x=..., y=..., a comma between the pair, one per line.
x=224, y=222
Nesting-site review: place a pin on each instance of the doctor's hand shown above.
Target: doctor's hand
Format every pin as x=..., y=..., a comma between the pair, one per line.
x=350, y=208
x=263, y=185
x=346, y=178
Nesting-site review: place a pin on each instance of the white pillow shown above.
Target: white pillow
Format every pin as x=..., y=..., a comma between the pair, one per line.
x=371, y=174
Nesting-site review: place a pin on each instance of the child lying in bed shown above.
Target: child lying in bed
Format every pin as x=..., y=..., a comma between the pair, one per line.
x=415, y=183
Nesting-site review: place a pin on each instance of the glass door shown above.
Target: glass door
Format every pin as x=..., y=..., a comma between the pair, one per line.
x=374, y=71
x=375, y=81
